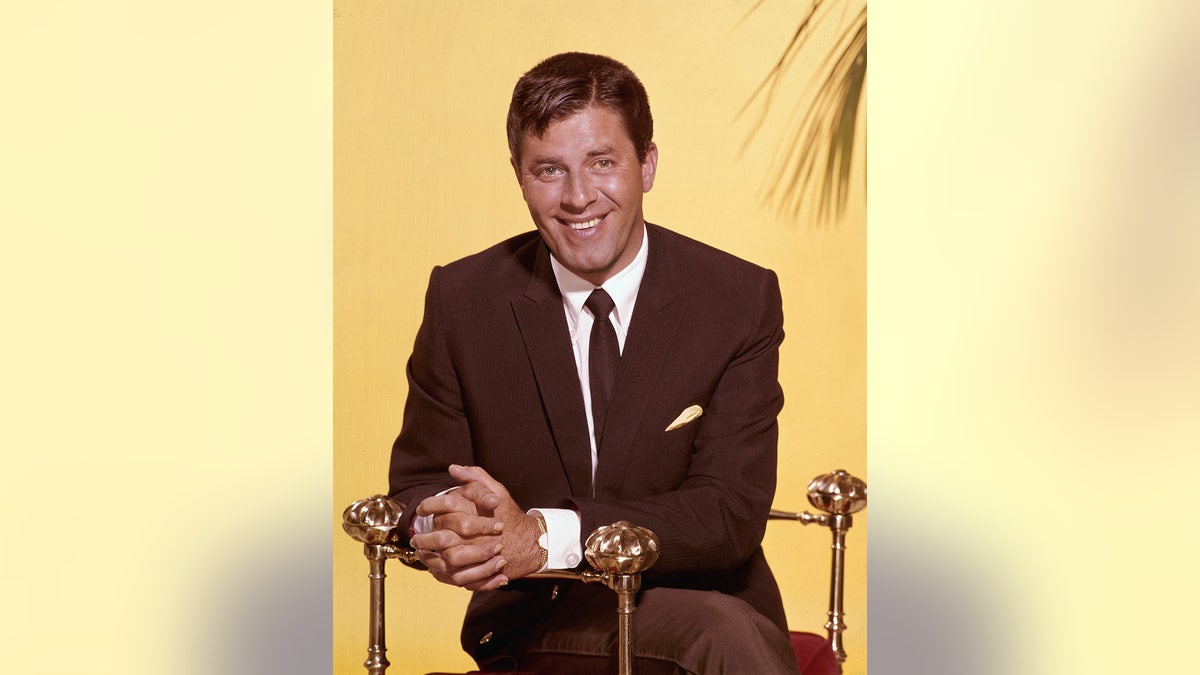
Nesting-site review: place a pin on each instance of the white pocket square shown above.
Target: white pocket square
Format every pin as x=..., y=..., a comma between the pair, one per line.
x=689, y=413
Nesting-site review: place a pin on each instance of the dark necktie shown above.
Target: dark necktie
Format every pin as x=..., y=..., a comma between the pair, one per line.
x=603, y=354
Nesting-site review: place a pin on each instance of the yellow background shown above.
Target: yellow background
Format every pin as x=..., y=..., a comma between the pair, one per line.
x=421, y=177
x=165, y=370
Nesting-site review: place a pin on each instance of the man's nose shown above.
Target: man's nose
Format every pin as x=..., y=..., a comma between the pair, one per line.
x=578, y=192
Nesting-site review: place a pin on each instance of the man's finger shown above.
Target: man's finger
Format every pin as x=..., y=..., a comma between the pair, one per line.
x=469, y=555
x=475, y=474
x=478, y=576
x=489, y=584
x=438, y=540
x=467, y=526
x=481, y=495
x=451, y=502
x=437, y=566
x=483, y=576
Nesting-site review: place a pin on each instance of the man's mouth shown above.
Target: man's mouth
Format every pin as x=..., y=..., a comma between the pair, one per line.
x=586, y=225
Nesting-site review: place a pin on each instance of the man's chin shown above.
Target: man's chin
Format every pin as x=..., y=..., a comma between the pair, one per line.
x=589, y=271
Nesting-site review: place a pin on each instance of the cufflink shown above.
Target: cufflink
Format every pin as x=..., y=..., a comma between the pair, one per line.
x=689, y=413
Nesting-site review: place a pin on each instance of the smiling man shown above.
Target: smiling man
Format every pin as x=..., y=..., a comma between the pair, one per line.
x=554, y=387
x=583, y=180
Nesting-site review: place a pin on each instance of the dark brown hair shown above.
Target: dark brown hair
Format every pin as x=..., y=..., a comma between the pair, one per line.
x=567, y=83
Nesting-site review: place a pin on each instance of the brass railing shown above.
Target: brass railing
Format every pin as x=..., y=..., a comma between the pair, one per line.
x=617, y=554
x=837, y=494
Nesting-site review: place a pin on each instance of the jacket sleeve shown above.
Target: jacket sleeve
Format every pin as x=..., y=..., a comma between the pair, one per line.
x=435, y=431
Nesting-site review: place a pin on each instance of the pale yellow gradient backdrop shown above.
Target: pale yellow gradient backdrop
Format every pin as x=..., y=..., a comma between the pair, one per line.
x=421, y=177
x=165, y=377
x=1034, y=374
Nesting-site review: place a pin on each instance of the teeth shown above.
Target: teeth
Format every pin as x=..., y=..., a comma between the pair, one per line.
x=585, y=226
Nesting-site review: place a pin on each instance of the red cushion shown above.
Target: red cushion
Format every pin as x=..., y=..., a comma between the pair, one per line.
x=555, y=669
x=814, y=654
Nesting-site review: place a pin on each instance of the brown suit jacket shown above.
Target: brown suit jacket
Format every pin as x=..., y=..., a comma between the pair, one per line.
x=493, y=383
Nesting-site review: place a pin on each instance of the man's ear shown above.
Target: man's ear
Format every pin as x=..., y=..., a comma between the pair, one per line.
x=649, y=167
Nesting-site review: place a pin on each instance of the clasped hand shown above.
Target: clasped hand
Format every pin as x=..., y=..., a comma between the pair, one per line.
x=481, y=538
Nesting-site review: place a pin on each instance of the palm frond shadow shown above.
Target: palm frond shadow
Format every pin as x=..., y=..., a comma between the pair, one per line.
x=810, y=172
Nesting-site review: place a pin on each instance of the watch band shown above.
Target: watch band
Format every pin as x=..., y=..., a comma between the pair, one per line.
x=543, y=541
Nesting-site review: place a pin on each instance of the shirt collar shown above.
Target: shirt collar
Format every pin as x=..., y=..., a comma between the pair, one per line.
x=622, y=288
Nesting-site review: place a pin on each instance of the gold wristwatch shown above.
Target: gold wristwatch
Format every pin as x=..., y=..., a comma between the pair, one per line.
x=543, y=541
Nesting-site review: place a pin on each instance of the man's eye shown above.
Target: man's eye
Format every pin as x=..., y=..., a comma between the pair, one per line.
x=604, y=163
x=549, y=171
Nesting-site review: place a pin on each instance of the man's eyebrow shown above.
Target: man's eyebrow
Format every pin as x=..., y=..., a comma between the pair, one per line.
x=543, y=161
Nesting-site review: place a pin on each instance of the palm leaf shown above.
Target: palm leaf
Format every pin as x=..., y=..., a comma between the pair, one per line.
x=811, y=170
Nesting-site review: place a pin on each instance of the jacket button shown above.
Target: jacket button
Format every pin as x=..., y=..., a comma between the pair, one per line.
x=554, y=592
x=487, y=637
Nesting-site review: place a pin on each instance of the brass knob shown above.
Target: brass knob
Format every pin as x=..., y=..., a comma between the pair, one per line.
x=621, y=548
x=373, y=520
x=838, y=493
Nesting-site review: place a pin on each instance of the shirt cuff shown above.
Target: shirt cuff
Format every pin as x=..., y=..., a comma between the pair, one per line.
x=561, y=539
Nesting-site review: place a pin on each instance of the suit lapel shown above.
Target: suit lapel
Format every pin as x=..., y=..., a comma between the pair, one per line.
x=655, y=321
x=543, y=326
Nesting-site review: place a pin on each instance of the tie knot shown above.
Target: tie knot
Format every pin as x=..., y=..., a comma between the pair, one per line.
x=600, y=303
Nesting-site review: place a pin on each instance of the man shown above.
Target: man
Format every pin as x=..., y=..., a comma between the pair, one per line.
x=554, y=386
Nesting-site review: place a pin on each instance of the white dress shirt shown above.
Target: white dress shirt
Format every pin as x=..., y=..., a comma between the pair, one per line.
x=562, y=525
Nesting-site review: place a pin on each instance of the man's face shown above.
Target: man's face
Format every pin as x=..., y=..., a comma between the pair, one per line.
x=583, y=183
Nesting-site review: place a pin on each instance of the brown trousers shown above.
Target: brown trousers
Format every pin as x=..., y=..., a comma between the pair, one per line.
x=677, y=631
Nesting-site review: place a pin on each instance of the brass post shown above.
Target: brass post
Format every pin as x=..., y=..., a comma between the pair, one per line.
x=838, y=494
x=372, y=521
x=839, y=525
x=376, y=663
x=621, y=552
x=626, y=587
